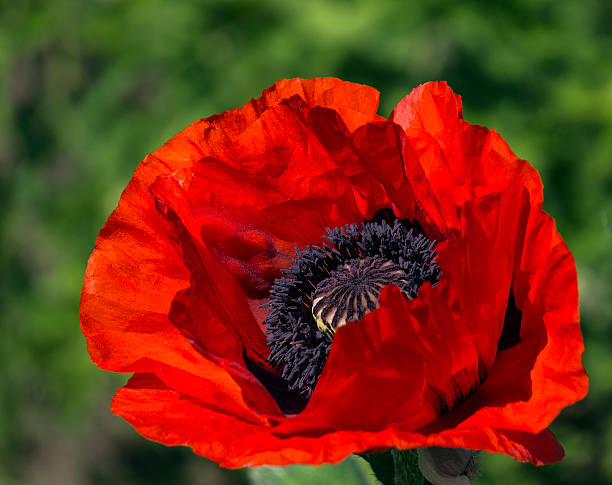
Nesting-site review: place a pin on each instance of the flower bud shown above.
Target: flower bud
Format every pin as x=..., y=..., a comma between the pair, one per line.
x=448, y=466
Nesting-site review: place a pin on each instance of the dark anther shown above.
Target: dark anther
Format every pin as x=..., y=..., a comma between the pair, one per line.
x=339, y=282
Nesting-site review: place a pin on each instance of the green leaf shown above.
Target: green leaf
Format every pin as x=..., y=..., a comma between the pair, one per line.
x=351, y=471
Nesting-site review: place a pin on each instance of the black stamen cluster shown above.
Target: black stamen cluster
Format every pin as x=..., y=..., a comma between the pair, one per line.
x=296, y=344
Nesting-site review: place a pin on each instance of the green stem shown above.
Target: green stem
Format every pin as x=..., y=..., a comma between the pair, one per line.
x=396, y=467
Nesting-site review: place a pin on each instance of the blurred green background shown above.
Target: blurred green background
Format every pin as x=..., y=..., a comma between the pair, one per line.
x=88, y=88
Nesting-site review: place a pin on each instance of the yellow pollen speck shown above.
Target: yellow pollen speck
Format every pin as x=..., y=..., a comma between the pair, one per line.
x=325, y=328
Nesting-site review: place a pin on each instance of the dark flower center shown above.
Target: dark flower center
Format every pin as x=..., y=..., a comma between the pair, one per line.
x=352, y=290
x=328, y=286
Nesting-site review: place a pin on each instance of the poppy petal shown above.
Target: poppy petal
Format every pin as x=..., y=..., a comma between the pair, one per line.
x=431, y=107
x=538, y=448
x=544, y=370
x=130, y=282
x=162, y=414
x=451, y=157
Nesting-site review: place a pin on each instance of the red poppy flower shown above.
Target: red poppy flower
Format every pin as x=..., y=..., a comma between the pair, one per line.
x=472, y=342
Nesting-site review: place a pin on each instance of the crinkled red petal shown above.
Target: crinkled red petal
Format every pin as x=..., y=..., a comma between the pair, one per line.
x=450, y=160
x=287, y=190
x=544, y=370
x=164, y=414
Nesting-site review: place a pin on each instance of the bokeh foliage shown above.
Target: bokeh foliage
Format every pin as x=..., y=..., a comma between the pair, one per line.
x=89, y=87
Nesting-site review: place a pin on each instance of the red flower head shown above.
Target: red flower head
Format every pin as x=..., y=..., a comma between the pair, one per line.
x=300, y=279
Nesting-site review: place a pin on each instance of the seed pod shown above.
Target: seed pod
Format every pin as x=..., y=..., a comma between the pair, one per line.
x=448, y=466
